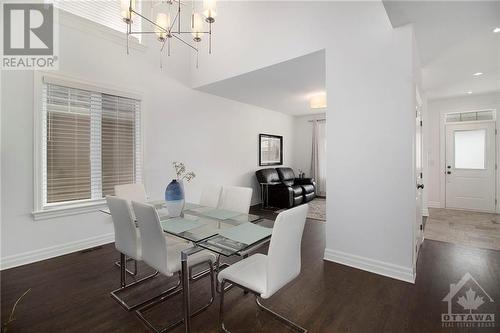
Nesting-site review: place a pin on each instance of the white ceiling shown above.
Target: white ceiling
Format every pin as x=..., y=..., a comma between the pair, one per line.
x=454, y=40
x=285, y=87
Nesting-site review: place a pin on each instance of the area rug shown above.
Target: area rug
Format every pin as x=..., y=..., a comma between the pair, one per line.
x=481, y=230
x=317, y=209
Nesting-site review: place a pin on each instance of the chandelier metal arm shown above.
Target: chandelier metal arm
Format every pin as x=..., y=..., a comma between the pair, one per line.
x=176, y=32
x=173, y=22
x=165, y=34
x=180, y=39
x=160, y=27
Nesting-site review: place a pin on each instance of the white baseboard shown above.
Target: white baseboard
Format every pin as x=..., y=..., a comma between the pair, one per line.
x=425, y=212
x=371, y=265
x=54, y=251
x=434, y=204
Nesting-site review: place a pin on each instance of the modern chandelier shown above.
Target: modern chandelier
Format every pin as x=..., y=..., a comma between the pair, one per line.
x=165, y=28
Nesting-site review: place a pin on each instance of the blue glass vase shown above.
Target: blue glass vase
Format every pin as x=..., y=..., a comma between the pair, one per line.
x=174, y=197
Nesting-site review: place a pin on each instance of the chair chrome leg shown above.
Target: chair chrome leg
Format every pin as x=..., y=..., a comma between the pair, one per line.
x=278, y=316
x=221, y=307
x=245, y=291
x=125, y=286
x=140, y=314
x=134, y=273
x=218, y=268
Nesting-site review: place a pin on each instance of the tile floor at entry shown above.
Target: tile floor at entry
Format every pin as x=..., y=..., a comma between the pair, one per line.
x=480, y=230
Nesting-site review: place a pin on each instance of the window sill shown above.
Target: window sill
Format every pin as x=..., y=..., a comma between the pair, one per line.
x=68, y=209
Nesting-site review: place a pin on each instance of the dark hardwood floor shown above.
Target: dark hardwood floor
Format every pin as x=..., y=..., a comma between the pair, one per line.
x=71, y=294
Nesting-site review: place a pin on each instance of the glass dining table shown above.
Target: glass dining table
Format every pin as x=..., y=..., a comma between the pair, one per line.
x=221, y=231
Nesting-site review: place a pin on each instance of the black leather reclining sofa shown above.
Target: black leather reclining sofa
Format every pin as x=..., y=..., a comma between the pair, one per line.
x=284, y=190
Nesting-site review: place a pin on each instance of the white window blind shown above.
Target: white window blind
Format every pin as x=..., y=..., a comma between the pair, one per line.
x=118, y=141
x=91, y=143
x=68, y=144
x=107, y=13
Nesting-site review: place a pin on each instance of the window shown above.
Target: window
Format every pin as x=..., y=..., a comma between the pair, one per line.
x=470, y=149
x=470, y=116
x=107, y=13
x=91, y=142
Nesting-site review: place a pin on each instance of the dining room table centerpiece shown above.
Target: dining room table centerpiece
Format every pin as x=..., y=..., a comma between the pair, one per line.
x=174, y=193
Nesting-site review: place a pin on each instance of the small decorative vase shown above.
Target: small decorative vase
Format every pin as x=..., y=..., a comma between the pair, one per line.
x=174, y=196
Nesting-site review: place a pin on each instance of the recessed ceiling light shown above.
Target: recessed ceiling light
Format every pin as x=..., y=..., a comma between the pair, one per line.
x=496, y=30
x=478, y=74
x=469, y=92
x=318, y=101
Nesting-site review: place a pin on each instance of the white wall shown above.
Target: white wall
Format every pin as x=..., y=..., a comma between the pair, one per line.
x=303, y=143
x=215, y=137
x=436, y=110
x=371, y=206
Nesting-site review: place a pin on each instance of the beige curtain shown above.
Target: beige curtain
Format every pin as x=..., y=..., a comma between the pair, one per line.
x=318, y=156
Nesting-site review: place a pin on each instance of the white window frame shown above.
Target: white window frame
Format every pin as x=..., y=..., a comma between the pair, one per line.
x=41, y=212
x=86, y=26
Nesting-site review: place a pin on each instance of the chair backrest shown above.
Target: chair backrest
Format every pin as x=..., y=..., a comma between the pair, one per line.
x=283, y=257
x=126, y=234
x=154, y=244
x=236, y=198
x=210, y=195
x=131, y=192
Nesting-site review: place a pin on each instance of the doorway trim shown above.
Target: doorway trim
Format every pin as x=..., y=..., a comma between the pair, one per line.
x=442, y=153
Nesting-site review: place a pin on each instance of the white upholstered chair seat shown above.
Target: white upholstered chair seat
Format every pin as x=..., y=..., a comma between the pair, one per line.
x=250, y=273
x=171, y=241
x=174, y=257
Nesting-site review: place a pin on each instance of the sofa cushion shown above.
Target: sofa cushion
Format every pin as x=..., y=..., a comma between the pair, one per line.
x=308, y=188
x=309, y=196
x=298, y=200
x=297, y=190
x=286, y=174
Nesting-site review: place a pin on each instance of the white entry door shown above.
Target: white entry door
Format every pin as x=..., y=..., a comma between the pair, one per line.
x=470, y=166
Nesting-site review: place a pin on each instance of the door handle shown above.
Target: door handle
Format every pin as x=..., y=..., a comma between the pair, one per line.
x=420, y=186
x=448, y=172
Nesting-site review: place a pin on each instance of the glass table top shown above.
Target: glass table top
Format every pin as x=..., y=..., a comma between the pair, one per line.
x=239, y=239
x=222, y=231
x=218, y=230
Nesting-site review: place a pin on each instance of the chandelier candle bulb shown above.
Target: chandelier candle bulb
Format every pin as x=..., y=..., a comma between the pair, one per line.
x=125, y=6
x=163, y=20
x=167, y=23
x=210, y=10
x=197, y=27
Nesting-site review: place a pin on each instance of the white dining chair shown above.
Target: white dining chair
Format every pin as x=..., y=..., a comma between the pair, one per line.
x=131, y=192
x=165, y=258
x=210, y=195
x=134, y=192
x=128, y=243
x=236, y=199
x=263, y=274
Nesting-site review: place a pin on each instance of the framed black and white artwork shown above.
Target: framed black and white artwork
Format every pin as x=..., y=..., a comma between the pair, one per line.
x=270, y=149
